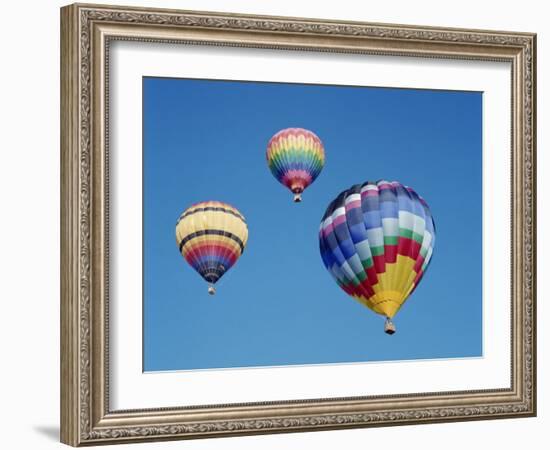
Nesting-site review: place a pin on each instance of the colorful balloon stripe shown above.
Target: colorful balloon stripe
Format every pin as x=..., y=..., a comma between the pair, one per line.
x=211, y=208
x=377, y=240
x=211, y=237
x=214, y=233
x=295, y=157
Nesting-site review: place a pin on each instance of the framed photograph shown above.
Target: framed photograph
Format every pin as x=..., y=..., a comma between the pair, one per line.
x=276, y=224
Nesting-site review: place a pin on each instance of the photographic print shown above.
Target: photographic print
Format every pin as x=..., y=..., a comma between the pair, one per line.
x=314, y=224
x=278, y=224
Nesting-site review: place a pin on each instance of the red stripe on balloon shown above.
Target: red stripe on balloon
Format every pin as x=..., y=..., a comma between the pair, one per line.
x=408, y=247
x=371, y=275
x=404, y=246
x=418, y=278
x=390, y=253
x=379, y=263
x=348, y=289
x=415, y=249
x=215, y=250
x=418, y=264
x=366, y=285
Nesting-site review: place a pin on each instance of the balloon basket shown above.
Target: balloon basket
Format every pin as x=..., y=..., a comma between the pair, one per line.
x=389, y=327
x=297, y=198
x=211, y=290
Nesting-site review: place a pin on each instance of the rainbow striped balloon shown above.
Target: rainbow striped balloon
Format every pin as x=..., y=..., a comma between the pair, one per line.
x=295, y=157
x=376, y=240
x=211, y=236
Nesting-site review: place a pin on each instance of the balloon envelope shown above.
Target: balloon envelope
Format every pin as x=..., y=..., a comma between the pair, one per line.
x=211, y=236
x=377, y=240
x=295, y=157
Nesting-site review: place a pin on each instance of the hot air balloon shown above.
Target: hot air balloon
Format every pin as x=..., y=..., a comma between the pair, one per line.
x=377, y=240
x=211, y=236
x=295, y=157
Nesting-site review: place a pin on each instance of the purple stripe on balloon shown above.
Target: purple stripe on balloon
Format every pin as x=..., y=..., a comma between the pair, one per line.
x=369, y=193
x=354, y=204
x=327, y=230
x=338, y=220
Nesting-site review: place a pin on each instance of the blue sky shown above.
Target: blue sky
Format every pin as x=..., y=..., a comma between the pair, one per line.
x=206, y=140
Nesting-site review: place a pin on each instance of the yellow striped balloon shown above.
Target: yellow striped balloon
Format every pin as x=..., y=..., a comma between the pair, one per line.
x=211, y=236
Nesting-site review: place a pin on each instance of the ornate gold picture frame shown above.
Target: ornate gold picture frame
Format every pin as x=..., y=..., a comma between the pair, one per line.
x=87, y=33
